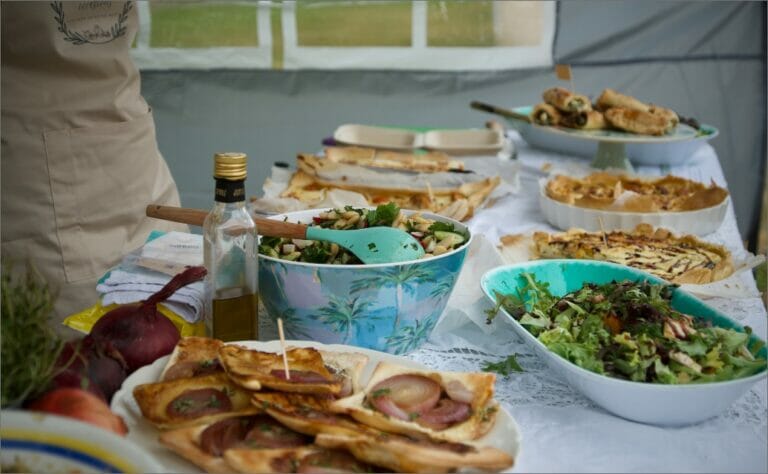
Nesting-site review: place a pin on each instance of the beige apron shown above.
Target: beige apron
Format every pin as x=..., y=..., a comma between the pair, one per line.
x=79, y=155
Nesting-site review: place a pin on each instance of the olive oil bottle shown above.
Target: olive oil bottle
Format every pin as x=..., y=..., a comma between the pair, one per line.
x=230, y=252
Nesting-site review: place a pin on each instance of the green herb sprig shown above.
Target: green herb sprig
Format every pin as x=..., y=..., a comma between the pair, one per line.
x=30, y=346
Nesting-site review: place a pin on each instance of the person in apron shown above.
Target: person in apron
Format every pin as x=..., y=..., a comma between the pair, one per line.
x=80, y=160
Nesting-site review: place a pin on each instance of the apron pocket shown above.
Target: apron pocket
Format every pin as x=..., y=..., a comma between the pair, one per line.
x=102, y=178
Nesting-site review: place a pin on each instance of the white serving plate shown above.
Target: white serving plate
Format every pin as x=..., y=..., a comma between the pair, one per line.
x=672, y=149
x=505, y=434
x=565, y=216
x=41, y=442
x=456, y=142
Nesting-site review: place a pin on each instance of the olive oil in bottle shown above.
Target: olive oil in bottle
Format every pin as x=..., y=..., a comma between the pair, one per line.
x=231, y=255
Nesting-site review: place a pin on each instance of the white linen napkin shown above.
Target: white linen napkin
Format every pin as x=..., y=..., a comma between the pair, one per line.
x=146, y=270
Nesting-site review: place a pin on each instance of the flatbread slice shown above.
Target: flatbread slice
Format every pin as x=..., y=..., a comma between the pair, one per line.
x=254, y=369
x=386, y=159
x=470, y=393
x=190, y=401
x=403, y=454
x=206, y=444
x=192, y=357
x=312, y=190
x=308, y=414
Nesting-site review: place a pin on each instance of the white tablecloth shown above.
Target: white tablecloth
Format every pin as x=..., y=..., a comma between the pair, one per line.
x=563, y=431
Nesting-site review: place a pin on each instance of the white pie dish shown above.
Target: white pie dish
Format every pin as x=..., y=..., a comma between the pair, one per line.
x=565, y=216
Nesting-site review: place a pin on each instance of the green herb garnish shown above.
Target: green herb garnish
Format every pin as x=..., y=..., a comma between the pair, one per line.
x=315, y=254
x=504, y=367
x=30, y=346
x=384, y=215
x=380, y=392
x=182, y=405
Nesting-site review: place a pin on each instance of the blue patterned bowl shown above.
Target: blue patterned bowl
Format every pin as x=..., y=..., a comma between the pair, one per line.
x=390, y=307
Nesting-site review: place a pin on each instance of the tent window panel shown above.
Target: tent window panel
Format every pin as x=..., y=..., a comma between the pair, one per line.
x=460, y=23
x=203, y=25
x=358, y=24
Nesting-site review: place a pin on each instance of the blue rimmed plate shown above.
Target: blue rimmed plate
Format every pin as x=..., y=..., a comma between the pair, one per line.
x=39, y=442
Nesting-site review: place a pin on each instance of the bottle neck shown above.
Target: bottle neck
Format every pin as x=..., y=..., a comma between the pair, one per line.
x=228, y=191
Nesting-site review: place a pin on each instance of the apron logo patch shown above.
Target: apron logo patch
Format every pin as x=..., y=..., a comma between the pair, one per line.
x=90, y=24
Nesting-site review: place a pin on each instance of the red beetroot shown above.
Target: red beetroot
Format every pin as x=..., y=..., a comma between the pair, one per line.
x=139, y=331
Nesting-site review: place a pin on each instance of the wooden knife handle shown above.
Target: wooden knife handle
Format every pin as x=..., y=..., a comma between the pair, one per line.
x=177, y=214
x=266, y=227
x=494, y=109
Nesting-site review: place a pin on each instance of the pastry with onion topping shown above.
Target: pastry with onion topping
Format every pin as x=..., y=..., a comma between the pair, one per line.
x=308, y=414
x=308, y=460
x=205, y=444
x=309, y=372
x=189, y=401
x=406, y=454
x=450, y=406
x=192, y=357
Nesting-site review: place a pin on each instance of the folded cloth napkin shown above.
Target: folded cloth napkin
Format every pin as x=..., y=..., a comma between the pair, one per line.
x=146, y=270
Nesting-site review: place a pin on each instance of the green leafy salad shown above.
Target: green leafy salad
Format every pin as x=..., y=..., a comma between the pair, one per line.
x=436, y=237
x=629, y=331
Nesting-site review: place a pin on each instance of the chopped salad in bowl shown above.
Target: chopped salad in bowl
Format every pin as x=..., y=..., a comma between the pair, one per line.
x=629, y=330
x=437, y=237
x=632, y=343
x=324, y=293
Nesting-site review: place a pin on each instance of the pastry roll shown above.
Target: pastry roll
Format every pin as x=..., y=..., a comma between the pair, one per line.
x=610, y=98
x=545, y=114
x=587, y=120
x=566, y=101
x=668, y=114
x=636, y=121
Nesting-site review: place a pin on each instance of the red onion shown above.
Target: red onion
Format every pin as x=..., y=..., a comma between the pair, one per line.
x=139, y=331
x=446, y=413
x=106, y=367
x=90, y=365
x=457, y=391
x=412, y=393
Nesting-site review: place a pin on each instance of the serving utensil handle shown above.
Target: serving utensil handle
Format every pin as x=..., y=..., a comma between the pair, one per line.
x=266, y=227
x=494, y=109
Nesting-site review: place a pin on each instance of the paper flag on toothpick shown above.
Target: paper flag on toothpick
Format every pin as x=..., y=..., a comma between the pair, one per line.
x=563, y=72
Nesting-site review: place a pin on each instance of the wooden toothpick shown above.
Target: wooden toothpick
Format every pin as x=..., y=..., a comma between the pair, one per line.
x=602, y=229
x=282, y=345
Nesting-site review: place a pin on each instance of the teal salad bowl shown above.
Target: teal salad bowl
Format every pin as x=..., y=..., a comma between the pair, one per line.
x=645, y=402
x=389, y=307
